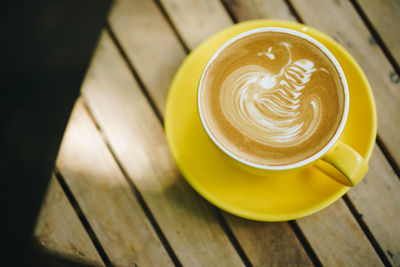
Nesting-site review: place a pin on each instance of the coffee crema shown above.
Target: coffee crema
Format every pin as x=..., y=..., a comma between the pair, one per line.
x=272, y=98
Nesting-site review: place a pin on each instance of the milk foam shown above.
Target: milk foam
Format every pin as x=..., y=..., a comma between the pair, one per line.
x=272, y=99
x=270, y=107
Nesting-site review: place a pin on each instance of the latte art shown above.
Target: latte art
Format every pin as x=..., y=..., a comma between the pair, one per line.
x=271, y=98
x=271, y=108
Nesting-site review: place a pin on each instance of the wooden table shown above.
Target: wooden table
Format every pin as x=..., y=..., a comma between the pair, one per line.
x=117, y=197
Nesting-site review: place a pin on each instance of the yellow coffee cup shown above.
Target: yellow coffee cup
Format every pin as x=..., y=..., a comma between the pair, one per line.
x=335, y=156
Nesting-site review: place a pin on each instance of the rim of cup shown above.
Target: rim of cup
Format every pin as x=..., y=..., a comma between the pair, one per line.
x=316, y=155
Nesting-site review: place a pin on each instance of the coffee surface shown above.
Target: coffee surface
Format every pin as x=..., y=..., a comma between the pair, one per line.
x=272, y=98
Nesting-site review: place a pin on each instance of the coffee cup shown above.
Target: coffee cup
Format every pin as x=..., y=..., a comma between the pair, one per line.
x=275, y=101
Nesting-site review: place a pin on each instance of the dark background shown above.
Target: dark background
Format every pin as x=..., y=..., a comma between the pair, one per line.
x=45, y=49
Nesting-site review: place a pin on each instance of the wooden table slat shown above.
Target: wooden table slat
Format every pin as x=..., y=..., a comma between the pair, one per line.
x=153, y=46
x=59, y=232
x=137, y=138
x=196, y=20
x=384, y=15
x=268, y=243
x=337, y=239
x=377, y=200
x=105, y=196
x=243, y=10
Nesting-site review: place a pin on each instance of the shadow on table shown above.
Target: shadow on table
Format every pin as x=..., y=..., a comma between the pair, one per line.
x=45, y=46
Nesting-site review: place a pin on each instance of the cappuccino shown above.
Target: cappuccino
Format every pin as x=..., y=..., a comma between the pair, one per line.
x=272, y=98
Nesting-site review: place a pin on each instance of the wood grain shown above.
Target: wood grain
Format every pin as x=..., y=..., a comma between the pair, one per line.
x=105, y=196
x=377, y=200
x=384, y=15
x=137, y=138
x=196, y=20
x=340, y=20
x=259, y=9
x=150, y=43
x=268, y=243
x=249, y=236
x=59, y=232
x=337, y=239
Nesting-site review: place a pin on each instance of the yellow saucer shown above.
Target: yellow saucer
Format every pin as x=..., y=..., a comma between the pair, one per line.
x=277, y=198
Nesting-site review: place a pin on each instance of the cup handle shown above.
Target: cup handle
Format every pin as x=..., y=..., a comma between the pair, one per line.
x=347, y=161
